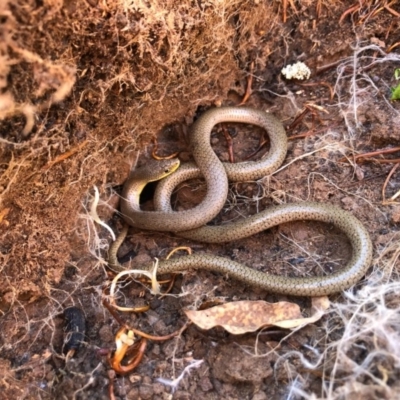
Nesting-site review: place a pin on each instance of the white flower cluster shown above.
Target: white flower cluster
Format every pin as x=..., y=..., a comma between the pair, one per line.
x=296, y=71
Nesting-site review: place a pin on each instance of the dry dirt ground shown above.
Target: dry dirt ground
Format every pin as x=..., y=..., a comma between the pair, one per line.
x=86, y=86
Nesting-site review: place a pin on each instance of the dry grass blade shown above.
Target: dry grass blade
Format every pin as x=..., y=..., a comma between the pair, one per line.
x=392, y=171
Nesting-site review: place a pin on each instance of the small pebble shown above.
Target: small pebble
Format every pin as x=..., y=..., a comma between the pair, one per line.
x=106, y=334
x=146, y=391
x=143, y=259
x=260, y=396
x=133, y=394
x=395, y=214
x=135, y=378
x=206, y=384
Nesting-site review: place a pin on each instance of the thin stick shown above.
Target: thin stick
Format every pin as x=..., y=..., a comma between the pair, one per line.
x=392, y=171
x=66, y=155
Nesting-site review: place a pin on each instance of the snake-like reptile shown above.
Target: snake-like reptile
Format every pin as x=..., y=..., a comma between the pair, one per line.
x=187, y=223
x=215, y=173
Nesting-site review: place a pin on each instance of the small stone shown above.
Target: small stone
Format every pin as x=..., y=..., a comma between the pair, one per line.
x=152, y=317
x=147, y=380
x=133, y=394
x=158, y=388
x=156, y=350
x=395, y=214
x=135, y=378
x=50, y=376
x=224, y=156
x=349, y=203
x=260, y=396
x=182, y=395
x=150, y=245
x=143, y=259
x=232, y=365
x=378, y=42
x=146, y=391
x=106, y=334
x=160, y=327
x=155, y=303
x=206, y=384
x=184, y=156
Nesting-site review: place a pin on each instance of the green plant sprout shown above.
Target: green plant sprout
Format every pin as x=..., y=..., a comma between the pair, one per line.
x=396, y=90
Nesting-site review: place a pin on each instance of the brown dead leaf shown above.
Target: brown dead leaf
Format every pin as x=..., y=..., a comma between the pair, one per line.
x=248, y=316
x=318, y=307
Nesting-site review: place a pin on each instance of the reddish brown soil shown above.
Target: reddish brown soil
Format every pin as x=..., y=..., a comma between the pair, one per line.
x=98, y=82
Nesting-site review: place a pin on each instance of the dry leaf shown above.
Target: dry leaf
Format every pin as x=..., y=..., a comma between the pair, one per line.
x=318, y=307
x=248, y=316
